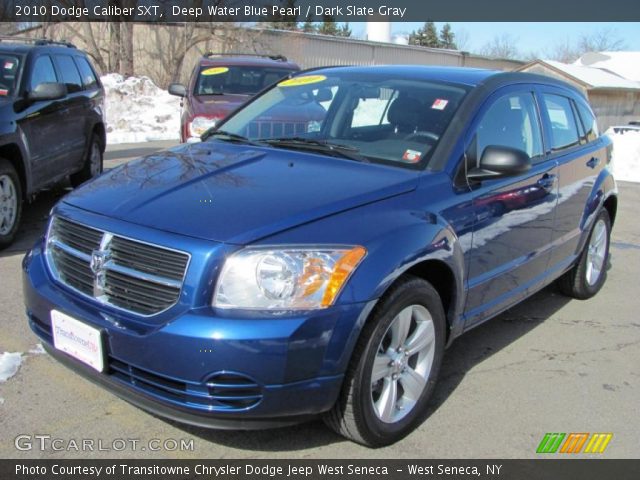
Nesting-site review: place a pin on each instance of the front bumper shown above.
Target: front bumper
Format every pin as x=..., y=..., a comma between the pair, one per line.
x=202, y=368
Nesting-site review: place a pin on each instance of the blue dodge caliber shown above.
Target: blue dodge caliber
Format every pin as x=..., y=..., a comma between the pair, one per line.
x=288, y=267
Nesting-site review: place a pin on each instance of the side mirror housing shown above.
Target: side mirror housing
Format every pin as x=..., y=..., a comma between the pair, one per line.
x=498, y=161
x=47, y=91
x=178, y=90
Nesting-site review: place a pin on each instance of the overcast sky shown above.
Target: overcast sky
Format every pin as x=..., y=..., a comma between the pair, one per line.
x=530, y=37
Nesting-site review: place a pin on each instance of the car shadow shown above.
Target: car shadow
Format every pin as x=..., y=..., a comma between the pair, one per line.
x=34, y=220
x=465, y=353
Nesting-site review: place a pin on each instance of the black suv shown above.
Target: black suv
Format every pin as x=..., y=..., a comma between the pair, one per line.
x=51, y=122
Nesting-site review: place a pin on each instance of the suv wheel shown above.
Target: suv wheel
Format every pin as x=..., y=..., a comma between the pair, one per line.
x=92, y=165
x=587, y=276
x=394, y=367
x=10, y=203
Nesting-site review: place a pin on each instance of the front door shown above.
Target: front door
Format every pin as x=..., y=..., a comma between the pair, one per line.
x=514, y=216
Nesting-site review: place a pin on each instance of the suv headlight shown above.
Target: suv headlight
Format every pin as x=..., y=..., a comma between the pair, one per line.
x=199, y=125
x=285, y=278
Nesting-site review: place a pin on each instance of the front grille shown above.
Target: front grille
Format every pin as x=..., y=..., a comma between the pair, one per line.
x=222, y=392
x=127, y=274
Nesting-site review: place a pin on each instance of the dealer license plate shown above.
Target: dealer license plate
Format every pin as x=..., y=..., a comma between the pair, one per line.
x=77, y=339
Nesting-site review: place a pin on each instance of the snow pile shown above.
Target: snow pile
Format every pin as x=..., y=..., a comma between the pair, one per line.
x=9, y=365
x=626, y=155
x=138, y=111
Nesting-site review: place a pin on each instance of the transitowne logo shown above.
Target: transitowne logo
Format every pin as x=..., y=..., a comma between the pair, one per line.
x=573, y=442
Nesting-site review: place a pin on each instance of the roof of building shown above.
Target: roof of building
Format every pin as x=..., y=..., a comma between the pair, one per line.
x=589, y=77
x=623, y=64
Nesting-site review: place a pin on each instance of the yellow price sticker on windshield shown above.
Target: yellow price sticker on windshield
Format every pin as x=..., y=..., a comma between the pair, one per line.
x=297, y=81
x=214, y=71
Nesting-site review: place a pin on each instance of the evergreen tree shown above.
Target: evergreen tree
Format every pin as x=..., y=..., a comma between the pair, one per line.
x=309, y=26
x=427, y=36
x=344, y=30
x=328, y=26
x=447, y=37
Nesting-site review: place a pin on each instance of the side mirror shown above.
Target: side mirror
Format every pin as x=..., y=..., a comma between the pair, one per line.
x=178, y=90
x=498, y=161
x=47, y=91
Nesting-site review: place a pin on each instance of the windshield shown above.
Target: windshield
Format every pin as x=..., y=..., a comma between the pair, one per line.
x=9, y=70
x=239, y=80
x=381, y=118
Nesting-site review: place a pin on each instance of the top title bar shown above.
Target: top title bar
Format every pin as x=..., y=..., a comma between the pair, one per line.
x=169, y=11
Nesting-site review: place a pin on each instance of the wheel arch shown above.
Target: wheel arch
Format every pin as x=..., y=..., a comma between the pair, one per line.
x=11, y=153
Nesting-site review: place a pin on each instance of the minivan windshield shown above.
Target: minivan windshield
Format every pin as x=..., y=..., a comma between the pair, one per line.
x=9, y=71
x=378, y=118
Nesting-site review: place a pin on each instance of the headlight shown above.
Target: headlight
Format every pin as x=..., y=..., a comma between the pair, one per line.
x=285, y=278
x=199, y=125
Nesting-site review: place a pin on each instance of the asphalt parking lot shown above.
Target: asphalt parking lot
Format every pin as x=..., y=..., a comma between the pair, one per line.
x=549, y=365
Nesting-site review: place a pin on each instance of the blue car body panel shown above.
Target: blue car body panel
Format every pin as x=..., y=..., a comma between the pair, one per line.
x=496, y=244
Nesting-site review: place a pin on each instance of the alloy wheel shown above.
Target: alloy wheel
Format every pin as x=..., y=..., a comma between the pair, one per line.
x=402, y=364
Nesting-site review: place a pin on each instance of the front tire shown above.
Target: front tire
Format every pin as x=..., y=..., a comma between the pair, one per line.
x=394, y=367
x=93, y=163
x=587, y=277
x=10, y=203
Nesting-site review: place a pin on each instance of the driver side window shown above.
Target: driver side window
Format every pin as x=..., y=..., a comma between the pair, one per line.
x=512, y=121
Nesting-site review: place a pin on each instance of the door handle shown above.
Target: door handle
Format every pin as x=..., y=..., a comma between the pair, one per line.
x=593, y=162
x=548, y=181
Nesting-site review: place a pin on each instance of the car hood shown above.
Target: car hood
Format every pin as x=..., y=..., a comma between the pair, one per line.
x=216, y=105
x=235, y=193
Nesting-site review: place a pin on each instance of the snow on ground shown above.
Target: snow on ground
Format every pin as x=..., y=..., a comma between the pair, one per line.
x=626, y=155
x=139, y=111
x=9, y=365
x=38, y=350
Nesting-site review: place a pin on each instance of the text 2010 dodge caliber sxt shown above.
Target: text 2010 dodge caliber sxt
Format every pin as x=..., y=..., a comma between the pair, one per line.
x=284, y=269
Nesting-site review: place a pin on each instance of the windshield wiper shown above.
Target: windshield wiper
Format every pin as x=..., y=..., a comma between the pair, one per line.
x=227, y=137
x=336, y=149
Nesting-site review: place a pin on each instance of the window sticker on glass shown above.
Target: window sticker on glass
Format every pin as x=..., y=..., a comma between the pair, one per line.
x=297, y=81
x=214, y=71
x=439, y=104
x=411, y=156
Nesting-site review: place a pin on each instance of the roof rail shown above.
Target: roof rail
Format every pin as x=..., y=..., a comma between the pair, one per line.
x=279, y=58
x=35, y=41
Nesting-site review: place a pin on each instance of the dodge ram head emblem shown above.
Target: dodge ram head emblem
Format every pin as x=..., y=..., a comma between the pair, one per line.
x=98, y=260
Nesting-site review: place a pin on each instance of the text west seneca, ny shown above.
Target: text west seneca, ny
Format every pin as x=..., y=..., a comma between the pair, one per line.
x=252, y=10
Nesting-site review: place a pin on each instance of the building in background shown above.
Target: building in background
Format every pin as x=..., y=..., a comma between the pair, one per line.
x=615, y=99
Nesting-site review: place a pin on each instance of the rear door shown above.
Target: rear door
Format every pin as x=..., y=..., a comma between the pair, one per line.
x=576, y=147
x=514, y=215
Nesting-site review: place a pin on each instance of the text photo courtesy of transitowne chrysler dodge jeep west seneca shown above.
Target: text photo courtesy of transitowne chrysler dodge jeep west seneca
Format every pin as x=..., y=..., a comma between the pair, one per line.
x=256, y=280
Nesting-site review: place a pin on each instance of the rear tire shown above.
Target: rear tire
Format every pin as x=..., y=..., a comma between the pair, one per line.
x=587, y=276
x=394, y=367
x=93, y=163
x=10, y=203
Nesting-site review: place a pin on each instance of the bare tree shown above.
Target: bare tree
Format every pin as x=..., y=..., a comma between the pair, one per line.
x=462, y=39
x=501, y=46
x=604, y=40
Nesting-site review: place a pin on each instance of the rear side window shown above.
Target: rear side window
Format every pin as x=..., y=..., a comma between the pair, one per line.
x=512, y=121
x=69, y=72
x=86, y=72
x=564, y=130
x=43, y=72
x=589, y=122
